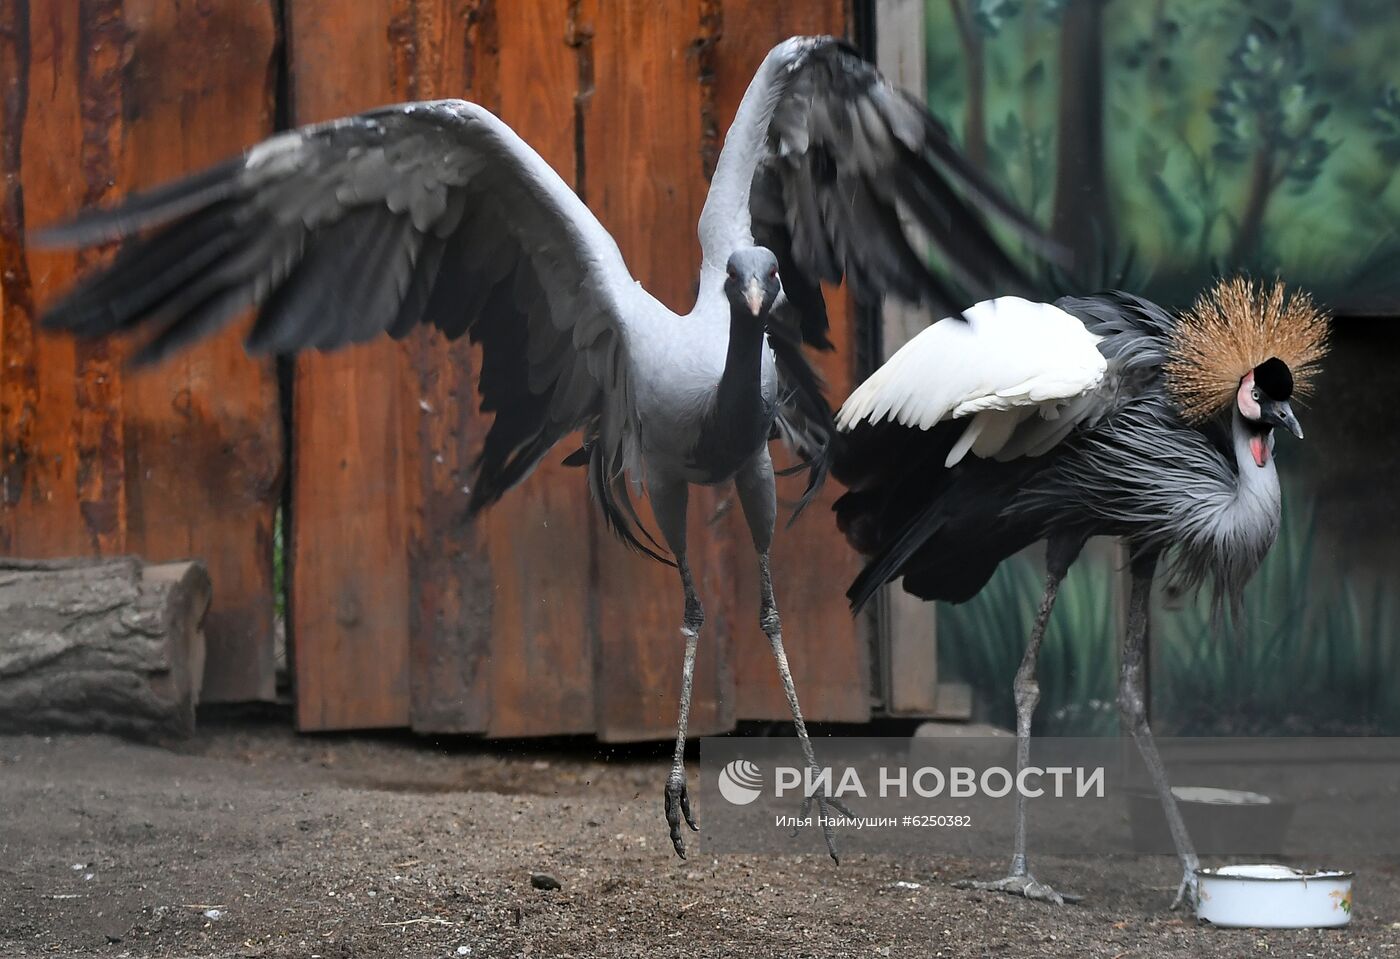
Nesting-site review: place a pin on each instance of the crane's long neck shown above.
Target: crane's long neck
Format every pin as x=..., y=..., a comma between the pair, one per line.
x=740, y=391
x=737, y=425
x=724, y=220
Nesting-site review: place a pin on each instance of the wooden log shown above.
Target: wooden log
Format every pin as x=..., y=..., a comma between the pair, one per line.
x=109, y=645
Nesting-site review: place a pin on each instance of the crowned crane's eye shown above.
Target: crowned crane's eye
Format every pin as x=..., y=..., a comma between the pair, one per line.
x=1254, y=394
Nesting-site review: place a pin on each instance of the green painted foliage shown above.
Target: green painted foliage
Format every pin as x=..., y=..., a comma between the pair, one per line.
x=1307, y=657
x=1237, y=134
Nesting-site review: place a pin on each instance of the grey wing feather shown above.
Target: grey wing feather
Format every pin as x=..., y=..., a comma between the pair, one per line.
x=804, y=422
x=848, y=177
x=429, y=213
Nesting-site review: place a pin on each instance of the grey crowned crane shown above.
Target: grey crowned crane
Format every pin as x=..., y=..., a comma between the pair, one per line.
x=1101, y=415
x=437, y=214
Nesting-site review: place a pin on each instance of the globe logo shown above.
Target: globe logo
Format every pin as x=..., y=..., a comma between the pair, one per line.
x=740, y=782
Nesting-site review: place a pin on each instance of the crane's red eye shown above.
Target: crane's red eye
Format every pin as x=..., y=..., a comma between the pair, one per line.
x=773, y=273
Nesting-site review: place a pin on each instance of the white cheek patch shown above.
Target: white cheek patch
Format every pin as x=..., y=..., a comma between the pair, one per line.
x=1249, y=406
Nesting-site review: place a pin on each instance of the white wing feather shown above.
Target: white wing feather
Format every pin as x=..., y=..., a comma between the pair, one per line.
x=1011, y=361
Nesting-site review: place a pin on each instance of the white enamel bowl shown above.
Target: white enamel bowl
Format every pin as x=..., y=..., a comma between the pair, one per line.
x=1271, y=896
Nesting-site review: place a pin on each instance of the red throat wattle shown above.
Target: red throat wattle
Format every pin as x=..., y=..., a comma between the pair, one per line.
x=1259, y=447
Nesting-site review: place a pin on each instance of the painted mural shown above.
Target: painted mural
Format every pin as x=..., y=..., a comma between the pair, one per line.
x=1164, y=142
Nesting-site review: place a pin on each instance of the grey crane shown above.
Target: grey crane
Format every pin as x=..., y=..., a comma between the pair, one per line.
x=1101, y=415
x=436, y=213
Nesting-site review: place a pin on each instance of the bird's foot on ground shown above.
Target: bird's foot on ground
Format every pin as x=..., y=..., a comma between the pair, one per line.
x=678, y=805
x=827, y=806
x=1024, y=885
x=1187, y=894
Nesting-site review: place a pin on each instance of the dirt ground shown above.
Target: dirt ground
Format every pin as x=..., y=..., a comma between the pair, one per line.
x=252, y=842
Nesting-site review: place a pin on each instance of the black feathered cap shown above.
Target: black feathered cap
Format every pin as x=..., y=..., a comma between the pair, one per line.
x=1274, y=378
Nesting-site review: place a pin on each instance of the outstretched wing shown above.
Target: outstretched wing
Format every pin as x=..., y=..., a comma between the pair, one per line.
x=1021, y=374
x=427, y=213
x=843, y=176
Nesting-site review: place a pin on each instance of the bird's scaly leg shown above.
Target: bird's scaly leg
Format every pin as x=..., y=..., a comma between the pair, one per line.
x=773, y=629
x=1132, y=704
x=668, y=505
x=1019, y=881
x=677, y=795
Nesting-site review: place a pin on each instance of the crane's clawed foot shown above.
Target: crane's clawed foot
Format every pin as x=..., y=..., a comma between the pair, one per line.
x=678, y=805
x=827, y=806
x=1024, y=885
x=1187, y=894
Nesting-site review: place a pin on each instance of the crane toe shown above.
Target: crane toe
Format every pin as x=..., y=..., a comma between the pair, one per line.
x=678, y=807
x=1024, y=885
x=827, y=806
x=1187, y=894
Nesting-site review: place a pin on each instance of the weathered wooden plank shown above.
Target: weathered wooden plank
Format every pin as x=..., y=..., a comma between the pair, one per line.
x=39, y=150
x=202, y=436
x=907, y=626
x=103, y=97
x=351, y=495
x=644, y=177
x=811, y=562
x=440, y=48
x=542, y=667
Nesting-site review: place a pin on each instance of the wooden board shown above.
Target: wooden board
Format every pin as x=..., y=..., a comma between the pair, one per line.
x=472, y=628
x=907, y=629
x=812, y=565
x=645, y=180
x=350, y=469
x=542, y=639
x=442, y=49
x=102, y=98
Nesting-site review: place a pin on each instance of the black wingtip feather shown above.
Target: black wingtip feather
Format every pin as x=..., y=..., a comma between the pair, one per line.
x=140, y=211
x=616, y=506
x=805, y=405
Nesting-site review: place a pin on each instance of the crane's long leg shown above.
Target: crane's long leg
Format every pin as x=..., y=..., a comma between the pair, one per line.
x=1132, y=704
x=1019, y=881
x=758, y=497
x=668, y=504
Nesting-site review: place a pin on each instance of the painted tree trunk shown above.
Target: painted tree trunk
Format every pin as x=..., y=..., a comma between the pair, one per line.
x=1262, y=181
x=975, y=122
x=1082, y=219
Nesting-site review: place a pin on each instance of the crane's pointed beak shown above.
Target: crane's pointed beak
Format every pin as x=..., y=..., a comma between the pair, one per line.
x=1280, y=413
x=753, y=295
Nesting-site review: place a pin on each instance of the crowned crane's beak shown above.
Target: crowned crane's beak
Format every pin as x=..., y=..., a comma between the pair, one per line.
x=753, y=295
x=1280, y=413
